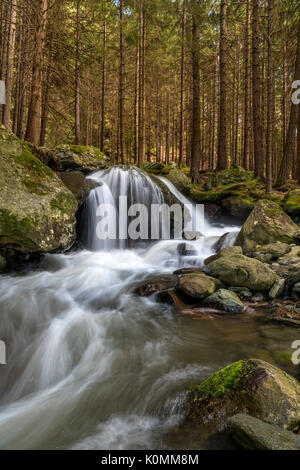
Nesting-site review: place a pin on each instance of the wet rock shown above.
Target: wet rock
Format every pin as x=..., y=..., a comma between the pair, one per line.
x=242, y=292
x=253, y=387
x=80, y=158
x=202, y=313
x=169, y=297
x=190, y=270
x=258, y=298
x=190, y=236
x=226, y=252
x=225, y=300
x=196, y=285
x=254, y=434
x=220, y=243
x=268, y=223
x=37, y=211
x=153, y=286
x=278, y=289
x=241, y=271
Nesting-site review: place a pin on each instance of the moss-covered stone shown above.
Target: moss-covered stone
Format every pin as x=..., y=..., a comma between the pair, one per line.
x=197, y=285
x=291, y=203
x=225, y=300
x=241, y=271
x=80, y=158
x=180, y=180
x=37, y=212
x=232, y=175
x=252, y=386
x=267, y=224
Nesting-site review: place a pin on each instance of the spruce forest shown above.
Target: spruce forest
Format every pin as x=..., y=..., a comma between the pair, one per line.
x=205, y=84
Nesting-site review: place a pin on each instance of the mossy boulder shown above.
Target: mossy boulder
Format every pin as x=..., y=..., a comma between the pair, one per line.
x=253, y=434
x=225, y=253
x=268, y=223
x=241, y=271
x=37, y=211
x=180, y=180
x=291, y=204
x=196, y=285
x=253, y=387
x=225, y=300
x=232, y=175
x=80, y=158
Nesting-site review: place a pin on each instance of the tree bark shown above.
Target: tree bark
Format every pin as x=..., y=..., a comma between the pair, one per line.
x=77, y=76
x=102, y=129
x=182, y=65
x=286, y=162
x=257, y=129
x=222, y=148
x=270, y=106
x=196, y=137
x=10, y=62
x=121, y=89
x=247, y=117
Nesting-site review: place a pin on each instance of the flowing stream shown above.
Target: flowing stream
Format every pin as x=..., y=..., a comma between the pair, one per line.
x=92, y=366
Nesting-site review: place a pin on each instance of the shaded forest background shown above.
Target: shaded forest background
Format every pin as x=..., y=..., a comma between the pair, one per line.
x=203, y=83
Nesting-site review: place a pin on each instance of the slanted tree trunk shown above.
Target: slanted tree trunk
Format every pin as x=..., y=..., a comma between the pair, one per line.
x=34, y=112
x=196, y=135
x=222, y=149
x=286, y=162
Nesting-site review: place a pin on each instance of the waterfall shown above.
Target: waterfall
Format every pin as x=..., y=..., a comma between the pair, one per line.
x=114, y=183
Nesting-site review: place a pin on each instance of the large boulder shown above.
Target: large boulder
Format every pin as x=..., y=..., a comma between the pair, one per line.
x=237, y=206
x=80, y=158
x=268, y=223
x=241, y=271
x=232, y=175
x=253, y=387
x=291, y=203
x=196, y=285
x=253, y=434
x=37, y=211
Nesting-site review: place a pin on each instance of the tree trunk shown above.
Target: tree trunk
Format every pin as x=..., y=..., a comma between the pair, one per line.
x=181, y=125
x=247, y=117
x=10, y=62
x=286, y=162
x=34, y=113
x=121, y=89
x=270, y=106
x=222, y=149
x=77, y=76
x=257, y=129
x=102, y=130
x=196, y=137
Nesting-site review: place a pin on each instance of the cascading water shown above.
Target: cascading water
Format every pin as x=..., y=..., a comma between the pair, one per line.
x=92, y=366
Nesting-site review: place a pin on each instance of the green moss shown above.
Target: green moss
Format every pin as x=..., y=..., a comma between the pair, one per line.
x=82, y=150
x=33, y=164
x=221, y=383
x=9, y=223
x=62, y=203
